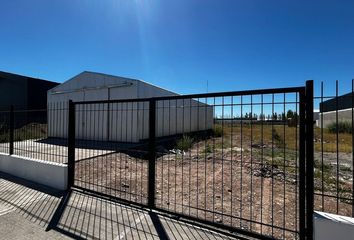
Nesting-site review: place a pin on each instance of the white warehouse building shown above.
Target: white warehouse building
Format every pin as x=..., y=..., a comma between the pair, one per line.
x=121, y=122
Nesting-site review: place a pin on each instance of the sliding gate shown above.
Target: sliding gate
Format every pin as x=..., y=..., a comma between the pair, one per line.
x=234, y=160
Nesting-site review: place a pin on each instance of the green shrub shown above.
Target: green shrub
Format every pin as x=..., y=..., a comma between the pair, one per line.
x=218, y=131
x=341, y=127
x=184, y=143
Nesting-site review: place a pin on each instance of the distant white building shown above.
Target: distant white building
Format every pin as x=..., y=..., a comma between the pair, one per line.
x=125, y=122
x=340, y=106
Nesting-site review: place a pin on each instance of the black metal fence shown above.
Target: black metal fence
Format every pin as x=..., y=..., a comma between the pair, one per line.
x=5, y=131
x=35, y=133
x=233, y=160
x=111, y=150
x=334, y=148
x=233, y=165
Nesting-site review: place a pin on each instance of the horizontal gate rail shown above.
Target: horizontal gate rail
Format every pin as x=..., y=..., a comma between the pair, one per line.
x=203, y=95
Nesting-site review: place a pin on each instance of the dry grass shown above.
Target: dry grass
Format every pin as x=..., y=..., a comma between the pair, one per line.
x=330, y=141
x=289, y=136
x=29, y=131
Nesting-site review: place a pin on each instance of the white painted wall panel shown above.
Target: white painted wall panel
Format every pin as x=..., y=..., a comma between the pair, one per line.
x=344, y=115
x=126, y=122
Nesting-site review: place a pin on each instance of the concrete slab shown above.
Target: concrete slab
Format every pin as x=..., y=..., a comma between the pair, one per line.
x=14, y=226
x=30, y=211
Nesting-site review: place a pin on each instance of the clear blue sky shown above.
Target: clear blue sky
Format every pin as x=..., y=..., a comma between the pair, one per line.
x=180, y=45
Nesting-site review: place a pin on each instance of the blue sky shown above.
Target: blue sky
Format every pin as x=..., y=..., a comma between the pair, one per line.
x=180, y=45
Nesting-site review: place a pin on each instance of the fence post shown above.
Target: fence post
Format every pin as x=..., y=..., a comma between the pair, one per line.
x=309, y=160
x=12, y=126
x=302, y=166
x=71, y=144
x=152, y=153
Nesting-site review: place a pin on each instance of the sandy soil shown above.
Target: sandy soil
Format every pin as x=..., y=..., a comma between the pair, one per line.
x=224, y=187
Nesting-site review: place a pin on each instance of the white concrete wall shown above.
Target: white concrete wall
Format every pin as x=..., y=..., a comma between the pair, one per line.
x=344, y=115
x=330, y=226
x=47, y=173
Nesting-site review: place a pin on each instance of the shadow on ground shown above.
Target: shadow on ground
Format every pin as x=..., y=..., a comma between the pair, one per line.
x=74, y=214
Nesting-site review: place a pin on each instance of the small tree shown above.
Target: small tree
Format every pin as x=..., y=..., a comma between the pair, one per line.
x=275, y=116
x=290, y=114
x=292, y=118
x=262, y=116
x=283, y=117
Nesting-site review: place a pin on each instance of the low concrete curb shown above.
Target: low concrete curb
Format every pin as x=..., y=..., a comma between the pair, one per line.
x=47, y=173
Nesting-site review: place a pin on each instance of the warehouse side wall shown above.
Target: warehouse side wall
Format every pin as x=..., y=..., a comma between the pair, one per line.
x=129, y=122
x=123, y=122
x=93, y=121
x=344, y=115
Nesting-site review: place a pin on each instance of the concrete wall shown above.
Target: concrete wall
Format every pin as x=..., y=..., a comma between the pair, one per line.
x=47, y=173
x=344, y=115
x=330, y=226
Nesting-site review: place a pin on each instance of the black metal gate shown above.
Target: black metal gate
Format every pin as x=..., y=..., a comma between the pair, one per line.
x=241, y=161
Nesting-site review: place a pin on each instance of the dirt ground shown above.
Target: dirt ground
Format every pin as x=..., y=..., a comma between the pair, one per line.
x=226, y=186
x=250, y=186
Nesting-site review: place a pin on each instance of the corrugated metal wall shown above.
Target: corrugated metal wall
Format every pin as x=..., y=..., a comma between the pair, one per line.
x=125, y=122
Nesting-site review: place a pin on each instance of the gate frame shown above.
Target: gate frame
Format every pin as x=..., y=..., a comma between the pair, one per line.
x=309, y=160
x=306, y=155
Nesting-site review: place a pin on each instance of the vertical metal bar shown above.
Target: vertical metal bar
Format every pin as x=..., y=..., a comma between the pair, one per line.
x=262, y=159
x=284, y=162
x=337, y=148
x=302, y=146
x=309, y=159
x=11, y=138
x=71, y=144
x=162, y=169
x=352, y=148
x=175, y=172
x=190, y=152
x=231, y=160
x=241, y=180
x=108, y=116
x=322, y=164
x=205, y=157
x=222, y=159
x=168, y=162
x=152, y=153
x=251, y=155
x=296, y=119
x=273, y=135
x=182, y=165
